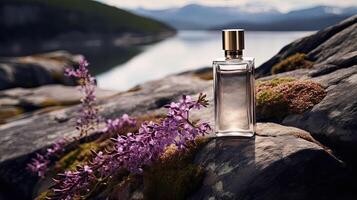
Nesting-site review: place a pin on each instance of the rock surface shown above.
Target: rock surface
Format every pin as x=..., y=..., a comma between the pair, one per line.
x=280, y=163
x=276, y=164
x=37, y=70
x=329, y=46
x=334, y=120
x=16, y=101
x=39, y=131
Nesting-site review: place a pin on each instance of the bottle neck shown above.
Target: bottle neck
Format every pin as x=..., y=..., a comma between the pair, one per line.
x=236, y=54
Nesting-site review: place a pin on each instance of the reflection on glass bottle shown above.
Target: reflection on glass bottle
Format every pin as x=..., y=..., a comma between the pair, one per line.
x=234, y=92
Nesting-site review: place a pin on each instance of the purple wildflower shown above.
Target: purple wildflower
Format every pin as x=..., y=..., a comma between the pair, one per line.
x=88, y=114
x=86, y=121
x=135, y=150
x=39, y=165
x=114, y=125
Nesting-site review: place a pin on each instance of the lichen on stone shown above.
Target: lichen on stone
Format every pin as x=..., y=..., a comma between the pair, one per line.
x=280, y=97
x=296, y=61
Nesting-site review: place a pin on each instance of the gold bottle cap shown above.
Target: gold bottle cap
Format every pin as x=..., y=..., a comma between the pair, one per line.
x=233, y=39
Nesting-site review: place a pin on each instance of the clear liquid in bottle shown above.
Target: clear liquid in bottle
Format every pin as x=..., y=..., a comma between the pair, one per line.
x=234, y=92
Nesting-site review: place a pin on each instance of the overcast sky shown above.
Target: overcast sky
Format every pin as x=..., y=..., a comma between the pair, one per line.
x=283, y=5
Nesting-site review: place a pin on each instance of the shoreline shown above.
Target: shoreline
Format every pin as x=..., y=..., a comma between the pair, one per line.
x=74, y=41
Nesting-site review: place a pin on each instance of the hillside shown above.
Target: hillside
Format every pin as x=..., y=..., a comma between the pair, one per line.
x=31, y=21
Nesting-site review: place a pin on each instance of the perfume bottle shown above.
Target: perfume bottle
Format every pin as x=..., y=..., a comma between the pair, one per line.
x=234, y=92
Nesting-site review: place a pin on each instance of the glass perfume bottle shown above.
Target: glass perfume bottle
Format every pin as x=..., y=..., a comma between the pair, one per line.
x=234, y=92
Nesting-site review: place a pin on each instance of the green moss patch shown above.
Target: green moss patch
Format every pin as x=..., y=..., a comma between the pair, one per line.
x=280, y=97
x=296, y=61
x=174, y=176
x=261, y=85
x=79, y=156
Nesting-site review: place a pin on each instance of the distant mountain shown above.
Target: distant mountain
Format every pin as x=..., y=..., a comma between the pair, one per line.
x=194, y=16
x=26, y=21
x=300, y=24
x=314, y=18
x=251, y=16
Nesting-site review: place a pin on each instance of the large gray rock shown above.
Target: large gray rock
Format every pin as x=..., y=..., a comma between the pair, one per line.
x=334, y=120
x=277, y=164
x=33, y=71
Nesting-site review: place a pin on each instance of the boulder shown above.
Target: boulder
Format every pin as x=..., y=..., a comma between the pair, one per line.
x=36, y=70
x=333, y=121
x=277, y=164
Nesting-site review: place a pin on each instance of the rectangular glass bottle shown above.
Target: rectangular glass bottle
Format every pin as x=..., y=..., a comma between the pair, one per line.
x=234, y=95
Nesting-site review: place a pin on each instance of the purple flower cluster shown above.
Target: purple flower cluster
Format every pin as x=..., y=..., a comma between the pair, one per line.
x=114, y=125
x=40, y=163
x=87, y=120
x=88, y=114
x=134, y=151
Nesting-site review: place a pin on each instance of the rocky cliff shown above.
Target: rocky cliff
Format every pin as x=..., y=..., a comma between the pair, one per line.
x=314, y=161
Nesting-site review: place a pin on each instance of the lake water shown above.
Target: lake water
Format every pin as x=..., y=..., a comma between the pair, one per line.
x=186, y=51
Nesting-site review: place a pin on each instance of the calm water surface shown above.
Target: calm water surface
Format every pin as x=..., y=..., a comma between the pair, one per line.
x=189, y=50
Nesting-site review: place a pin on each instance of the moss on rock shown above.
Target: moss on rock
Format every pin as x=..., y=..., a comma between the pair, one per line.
x=296, y=61
x=174, y=176
x=280, y=97
x=273, y=82
x=80, y=155
x=271, y=105
x=302, y=95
